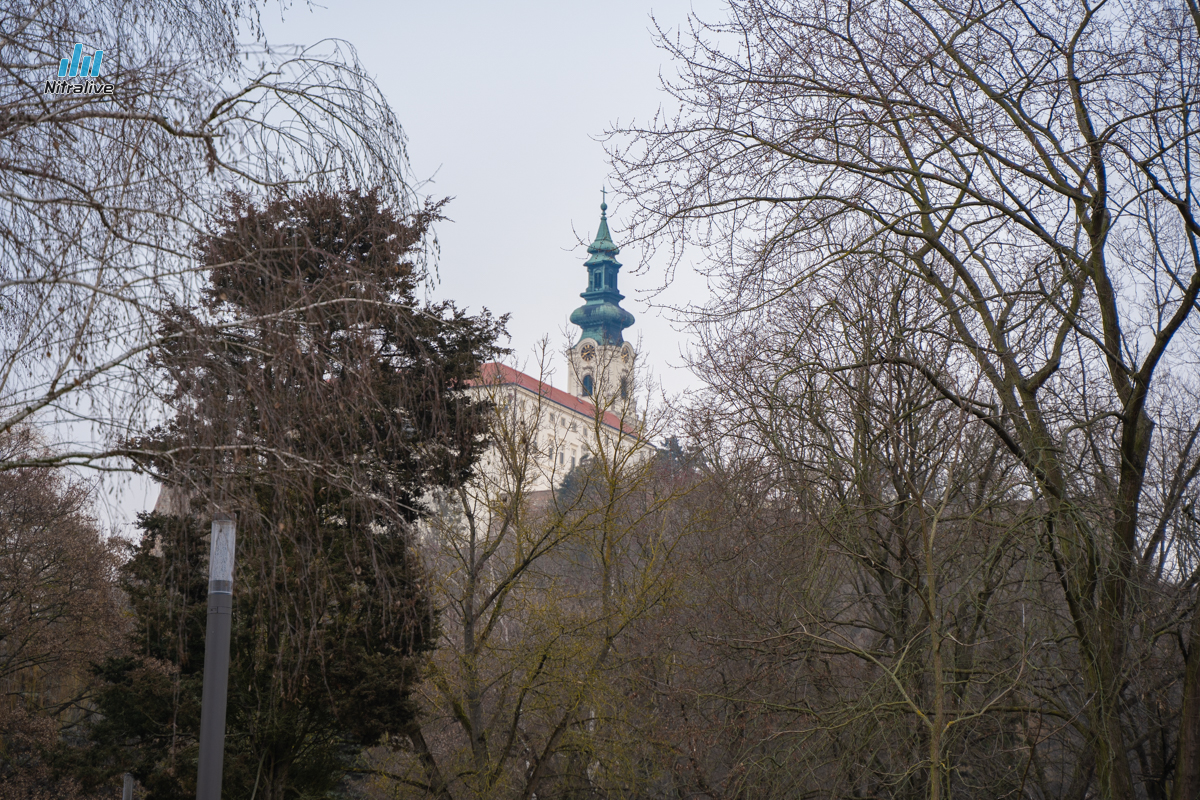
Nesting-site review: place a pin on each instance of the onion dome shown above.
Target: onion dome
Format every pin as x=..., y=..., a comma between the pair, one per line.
x=601, y=316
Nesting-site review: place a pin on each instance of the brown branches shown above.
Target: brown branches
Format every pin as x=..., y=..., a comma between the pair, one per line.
x=1018, y=171
x=105, y=195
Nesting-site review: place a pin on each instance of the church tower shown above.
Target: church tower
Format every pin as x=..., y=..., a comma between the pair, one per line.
x=600, y=364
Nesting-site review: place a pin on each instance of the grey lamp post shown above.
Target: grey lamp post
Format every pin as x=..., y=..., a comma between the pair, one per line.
x=216, y=656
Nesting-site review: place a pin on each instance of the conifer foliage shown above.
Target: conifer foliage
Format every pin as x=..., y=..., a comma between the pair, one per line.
x=318, y=399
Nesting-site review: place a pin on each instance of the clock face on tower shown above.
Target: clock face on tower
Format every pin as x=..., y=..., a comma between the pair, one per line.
x=627, y=354
x=588, y=351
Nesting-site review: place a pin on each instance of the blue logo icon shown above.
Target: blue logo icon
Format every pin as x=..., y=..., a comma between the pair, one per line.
x=75, y=67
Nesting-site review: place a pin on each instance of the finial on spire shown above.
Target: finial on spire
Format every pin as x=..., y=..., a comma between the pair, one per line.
x=603, y=200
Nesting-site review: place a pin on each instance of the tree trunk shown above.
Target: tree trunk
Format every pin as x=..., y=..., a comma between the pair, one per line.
x=1187, y=764
x=437, y=783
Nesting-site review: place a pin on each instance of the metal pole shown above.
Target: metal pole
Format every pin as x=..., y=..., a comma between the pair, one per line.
x=216, y=657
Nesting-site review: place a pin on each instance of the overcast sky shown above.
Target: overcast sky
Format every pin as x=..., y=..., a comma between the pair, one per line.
x=504, y=105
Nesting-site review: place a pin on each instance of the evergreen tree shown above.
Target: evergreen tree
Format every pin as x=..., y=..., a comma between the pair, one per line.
x=320, y=400
x=300, y=709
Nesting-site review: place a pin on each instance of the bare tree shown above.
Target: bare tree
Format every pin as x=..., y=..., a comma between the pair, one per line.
x=540, y=572
x=1031, y=166
x=106, y=194
x=852, y=623
x=59, y=613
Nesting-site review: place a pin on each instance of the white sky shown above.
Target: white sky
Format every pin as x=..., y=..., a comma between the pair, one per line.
x=503, y=104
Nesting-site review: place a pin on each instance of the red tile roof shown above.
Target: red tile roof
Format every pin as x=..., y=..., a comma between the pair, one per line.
x=501, y=375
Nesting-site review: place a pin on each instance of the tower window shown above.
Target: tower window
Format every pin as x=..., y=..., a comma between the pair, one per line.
x=624, y=387
x=588, y=385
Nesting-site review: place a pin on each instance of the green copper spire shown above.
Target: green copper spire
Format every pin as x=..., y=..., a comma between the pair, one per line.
x=601, y=317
